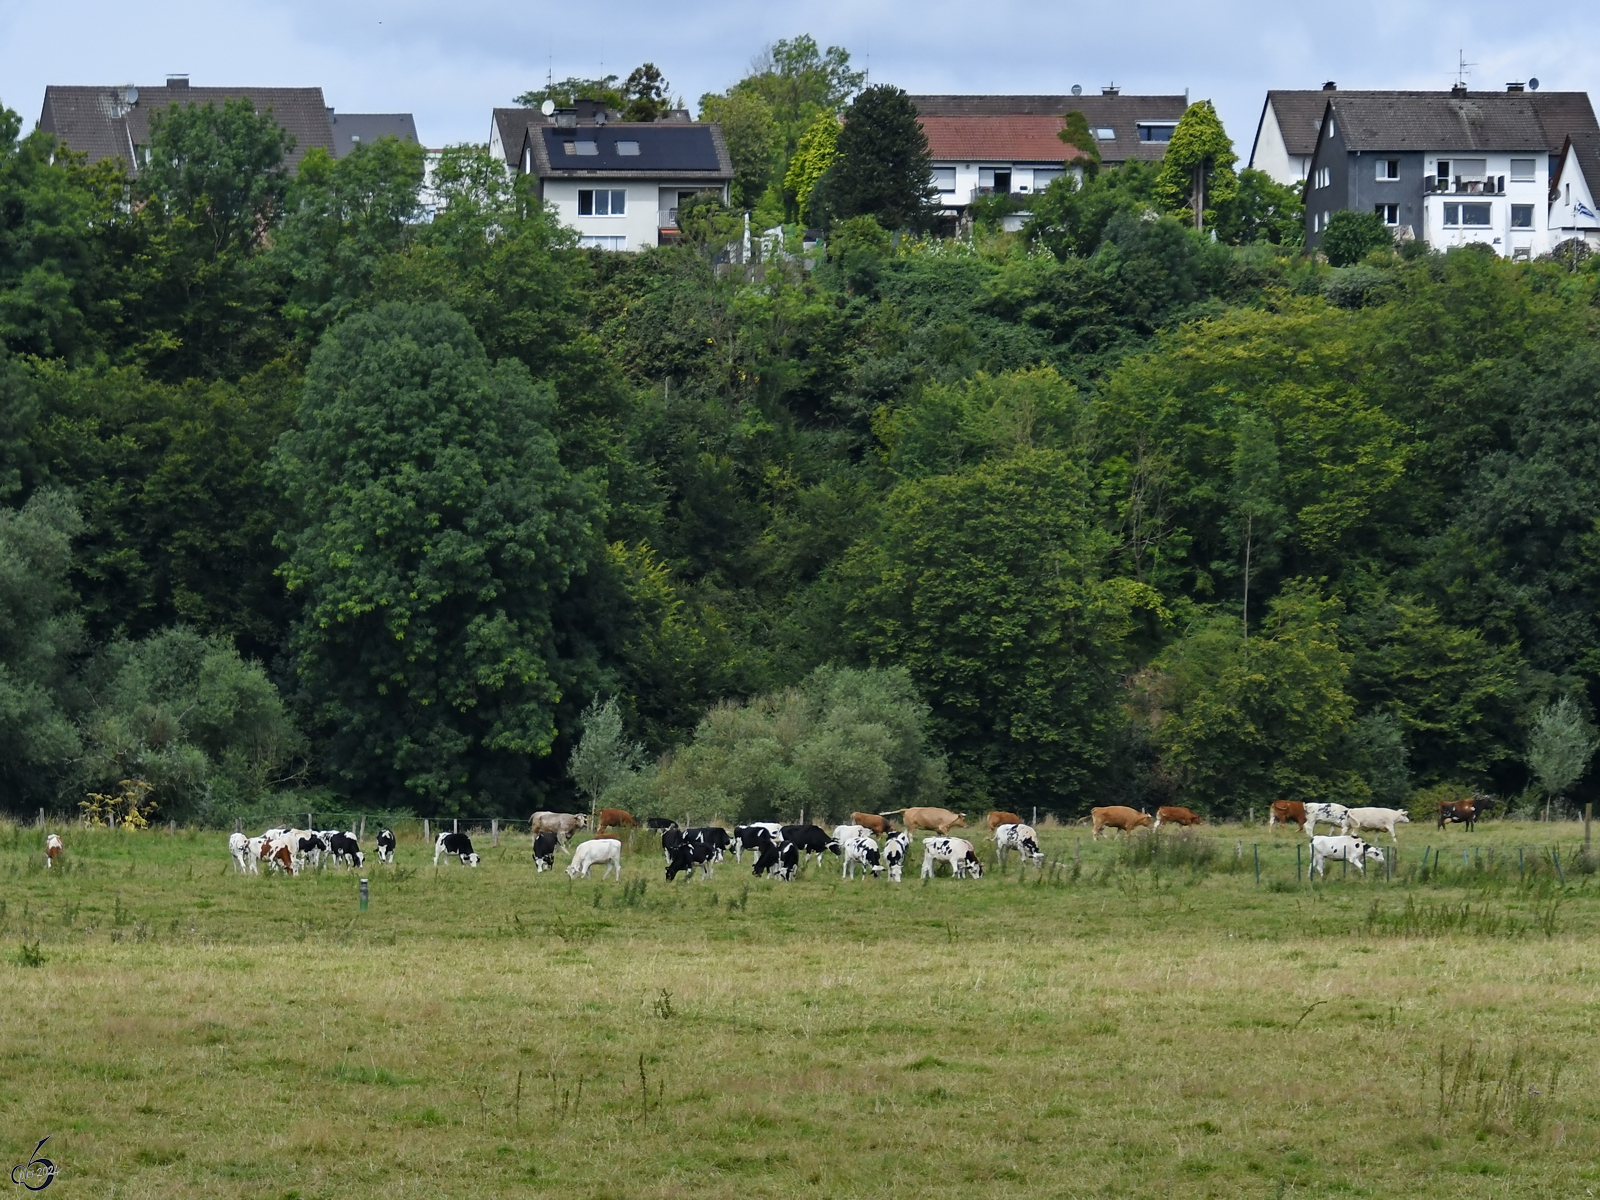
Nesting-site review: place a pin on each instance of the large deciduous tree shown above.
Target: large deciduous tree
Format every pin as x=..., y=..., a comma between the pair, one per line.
x=1197, y=170
x=437, y=530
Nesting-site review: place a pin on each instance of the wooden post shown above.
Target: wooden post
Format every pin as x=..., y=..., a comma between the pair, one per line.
x=494, y=831
x=1252, y=816
x=41, y=818
x=426, y=840
x=361, y=829
x=455, y=824
x=172, y=827
x=1256, y=850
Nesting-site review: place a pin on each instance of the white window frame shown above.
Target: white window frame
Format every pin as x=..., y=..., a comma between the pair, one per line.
x=1388, y=170
x=1383, y=211
x=610, y=194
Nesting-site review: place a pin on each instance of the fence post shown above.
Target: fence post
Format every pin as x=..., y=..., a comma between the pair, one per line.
x=1464, y=863
x=361, y=829
x=455, y=824
x=1588, y=815
x=426, y=840
x=1555, y=857
x=1297, y=849
x=363, y=895
x=494, y=831
x=1036, y=816
x=1344, y=872
x=172, y=827
x=1252, y=816
x=41, y=818
x=1256, y=850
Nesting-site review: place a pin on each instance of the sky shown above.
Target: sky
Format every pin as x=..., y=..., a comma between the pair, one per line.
x=450, y=63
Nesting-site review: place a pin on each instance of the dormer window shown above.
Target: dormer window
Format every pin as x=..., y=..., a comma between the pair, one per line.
x=628, y=149
x=1152, y=131
x=1105, y=133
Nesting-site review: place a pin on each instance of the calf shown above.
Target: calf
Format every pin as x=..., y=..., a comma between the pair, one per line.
x=958, y=852
x=563, y=825
x=1342, y=849
x=858, y=851
x=1021, y=838
x=1286, y=811
x=544, y=851
x=749, y=837
x=811, y=840
x=686, y=855
x=458, y=844
x=1463, y=812
x=894, y=855
x=386, y=846
x=777, y=858
x=1331, y=814
x=998, y=818
x=613, y=818
x=879, y=825
x=934, y=820
x=1118, y=816
x=52, y=850
x=345, y=849
x=596, y=850
x=1375, y=819
x=1169, y=814
x=239, y=848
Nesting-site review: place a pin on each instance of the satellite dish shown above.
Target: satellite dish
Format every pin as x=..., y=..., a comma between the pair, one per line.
x=1533, y=85
x=130, y=94
x=548, y=107
x=1077, y=89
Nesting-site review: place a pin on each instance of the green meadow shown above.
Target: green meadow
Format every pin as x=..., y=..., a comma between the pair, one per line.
x=1140, y=1018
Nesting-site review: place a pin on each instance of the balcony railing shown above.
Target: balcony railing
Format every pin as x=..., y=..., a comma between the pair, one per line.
x=1494, y=185
x=666, y=218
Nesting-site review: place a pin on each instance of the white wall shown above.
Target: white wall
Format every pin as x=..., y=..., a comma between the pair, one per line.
x=970, y=176
x=1499, y=235
x=637, y=226
x=1568, y=218
x=1272, y=155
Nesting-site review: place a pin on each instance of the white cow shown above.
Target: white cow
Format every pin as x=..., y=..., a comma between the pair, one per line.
x=1330, y=814
x=1021, y=838
x=958, y=852
x=239, y=848
x=1342, y=849
x=858, y=850
x=894, y=854
x=597, y=850
x=1375, y=819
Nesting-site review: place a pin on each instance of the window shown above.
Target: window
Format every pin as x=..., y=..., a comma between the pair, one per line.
x=628, y=149
x=1522, y=170
x=1330, y=127
x=944, y=178
x=1324, y=177
x=1444, y=171
x=569, y=148
x=600, y=202
x=1522, y=216
x=1388, y=168
x=1155, y=133
x=1466, y=216
x=1390, y=213
x=1105, y=133
x=1043, y=178
x=581, y=147
x=603, y=243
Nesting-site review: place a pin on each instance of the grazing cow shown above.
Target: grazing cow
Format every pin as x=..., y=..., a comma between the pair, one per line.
x=750, y=837
x=685, y=855
x=811, y=840
x=458, y=844
x=714, y=836
x=660, y=824
x=1375, y=819
x=958, y=852
x=311, y=845
x=386, y=846
x=281, y=854
x=1021, y=838
x=239, y=848
x=544, y=851
x=52, y=849
x=861, y=850
x=777, y=858
x=934, y=820
x=843, y=833
x=1118, y=816
x=1333, y=815
x=669, y=839
x=1169, y=814
x=998, y=818
x=563, y=825
x=613, y=818
x=1285, y=811
x=879, y=825
x=894, y=855
x=260, y=851
x=596, y=850
x=1463, y=812
x=1342, y=849
x=345, y=849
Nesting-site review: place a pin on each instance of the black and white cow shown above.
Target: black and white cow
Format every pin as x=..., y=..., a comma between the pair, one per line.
x=748, y=837
x=894, y=854
x=311, y=846
x=811, y=840
x=544, y=851
x=777, y=858
x=386, y=846
x=858, y=848
x=958, y=852
x=688, y=854
x=458, y=844
x=714, y=836
x=1341, y=849
x=345, y=849
x=1020, y=838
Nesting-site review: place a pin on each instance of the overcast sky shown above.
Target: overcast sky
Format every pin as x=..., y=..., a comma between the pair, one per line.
x=449, y=63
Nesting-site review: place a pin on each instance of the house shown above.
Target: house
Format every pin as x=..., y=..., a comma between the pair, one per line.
x=1575, y=193
x=983, y=145
x=114, y=122
x=1453, y=168
x=619, y=183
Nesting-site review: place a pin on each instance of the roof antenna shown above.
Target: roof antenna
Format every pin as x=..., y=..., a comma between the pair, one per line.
x=1462, y=68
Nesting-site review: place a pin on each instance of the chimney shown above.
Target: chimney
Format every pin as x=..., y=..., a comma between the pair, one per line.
x=1458, y=89
x=1111, y=89
x=1330, y=86
x=1515, y=87
x=177, y=81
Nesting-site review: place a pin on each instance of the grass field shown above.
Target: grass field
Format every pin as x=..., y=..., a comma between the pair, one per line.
x=1127, y=1023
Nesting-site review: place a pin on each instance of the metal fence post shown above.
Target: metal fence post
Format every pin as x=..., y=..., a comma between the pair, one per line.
x=1555, y=857
x=1256, y=850
x=1297, y=849
x=363, y=895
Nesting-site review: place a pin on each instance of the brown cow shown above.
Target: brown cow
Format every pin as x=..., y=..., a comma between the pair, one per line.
x=1118, y=816
x=878, y=825
x=1463, y=812
x=1169, y=814
x=613, y=818
x=939, y=820
x=1286, y=811
x=997, y=819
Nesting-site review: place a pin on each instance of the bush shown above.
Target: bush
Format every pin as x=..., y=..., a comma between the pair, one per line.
x=1351, y=235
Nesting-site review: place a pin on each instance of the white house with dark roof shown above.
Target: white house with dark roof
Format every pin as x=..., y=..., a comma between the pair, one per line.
x=619, y=183
x=1575, y=192
x=1453, y=168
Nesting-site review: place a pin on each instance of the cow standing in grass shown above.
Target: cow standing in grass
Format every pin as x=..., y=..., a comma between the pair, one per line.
x=1118, y=816
x=1363, y=820
x=1342, y=849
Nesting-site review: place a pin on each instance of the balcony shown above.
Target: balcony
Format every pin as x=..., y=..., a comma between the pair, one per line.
x=666, y=218
x=1494, y=185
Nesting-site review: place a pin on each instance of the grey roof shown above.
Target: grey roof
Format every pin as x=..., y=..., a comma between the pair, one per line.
x=100, y=122
x=1121, y=113
x=350, y=128
x=510, y=123
x=1584, y=148
x=1391, y=120
x=667, y=149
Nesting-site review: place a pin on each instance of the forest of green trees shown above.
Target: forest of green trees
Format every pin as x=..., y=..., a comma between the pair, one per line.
x=303, y=495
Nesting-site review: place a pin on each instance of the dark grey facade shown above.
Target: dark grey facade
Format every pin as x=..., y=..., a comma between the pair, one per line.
x=1364, y=181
